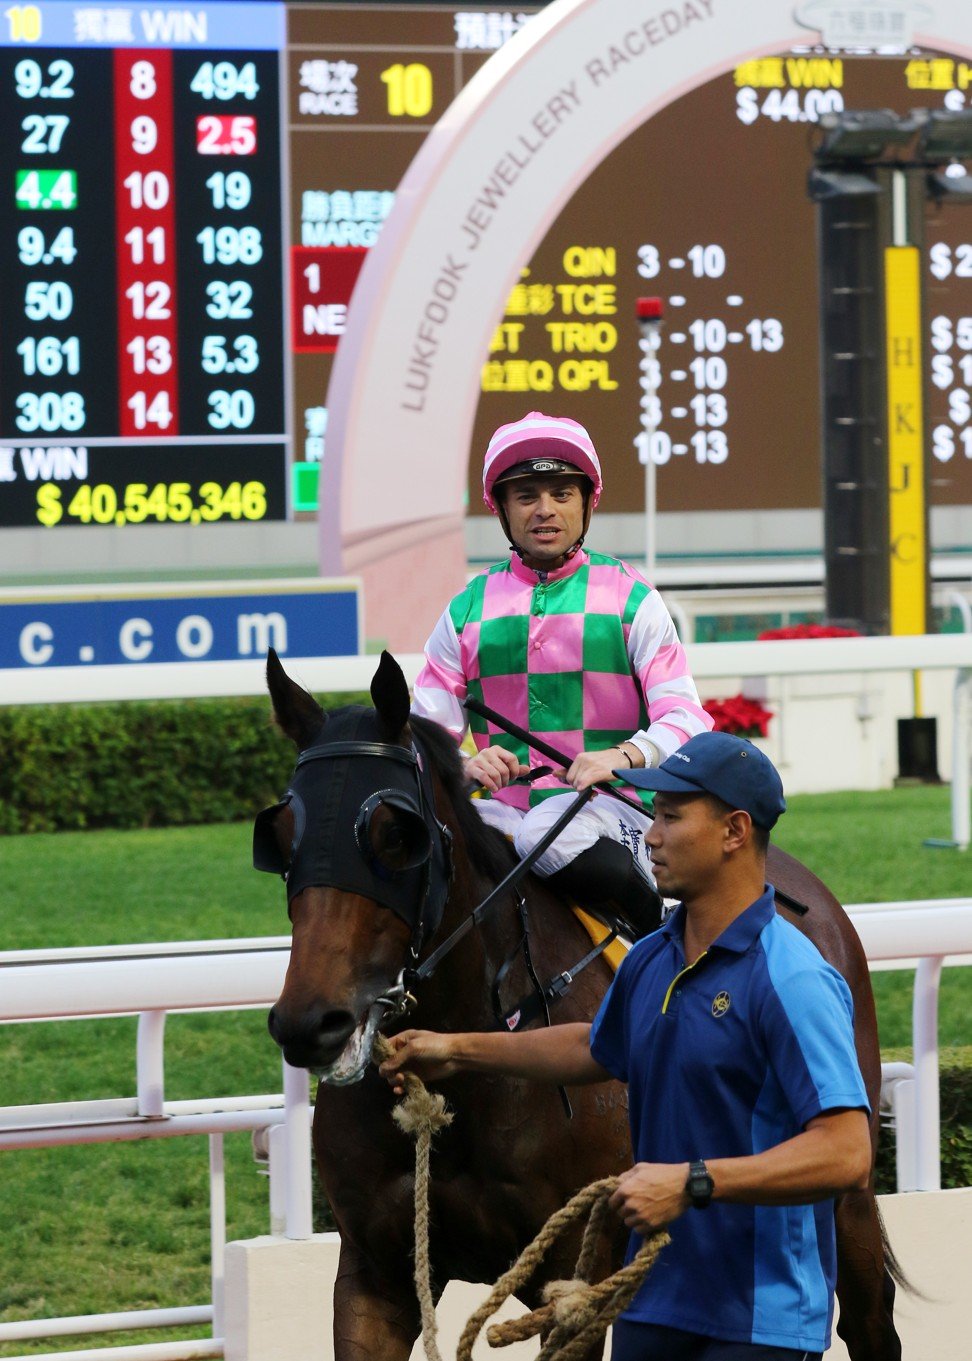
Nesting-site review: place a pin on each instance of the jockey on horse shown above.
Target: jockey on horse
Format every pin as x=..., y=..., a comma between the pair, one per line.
x=579, y=649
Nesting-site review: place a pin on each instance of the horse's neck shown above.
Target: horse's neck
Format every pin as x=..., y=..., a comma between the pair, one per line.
x=461, y=991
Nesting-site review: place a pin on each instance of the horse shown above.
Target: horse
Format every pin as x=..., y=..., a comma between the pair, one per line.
x=385, y=857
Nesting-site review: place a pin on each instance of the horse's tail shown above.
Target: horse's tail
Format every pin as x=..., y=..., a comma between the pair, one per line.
x=891, y=1264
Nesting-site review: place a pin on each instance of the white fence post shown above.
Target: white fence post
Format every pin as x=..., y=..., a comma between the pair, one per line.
x=150, y=1064
x=961, y=758
x=925, y=1034
x=299, y=1218
x=217, y=1231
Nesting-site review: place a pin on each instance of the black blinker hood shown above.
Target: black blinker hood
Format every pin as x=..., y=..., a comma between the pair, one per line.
x=352, y=761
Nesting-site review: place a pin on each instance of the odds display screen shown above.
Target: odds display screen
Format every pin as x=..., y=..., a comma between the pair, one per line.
x=187, y=195
x=706, y=208
x=141, y=310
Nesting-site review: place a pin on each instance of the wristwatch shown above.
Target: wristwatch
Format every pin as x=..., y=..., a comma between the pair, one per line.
x=699, y=1185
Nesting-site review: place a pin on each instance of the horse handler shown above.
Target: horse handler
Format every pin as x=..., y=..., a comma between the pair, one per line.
x=748, y=1112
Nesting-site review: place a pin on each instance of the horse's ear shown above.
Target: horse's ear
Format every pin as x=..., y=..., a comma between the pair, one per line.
x=298, y=713
x=389, y=694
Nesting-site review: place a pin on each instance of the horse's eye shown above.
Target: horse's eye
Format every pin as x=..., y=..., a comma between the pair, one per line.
x=394, y=839
x=401, y=842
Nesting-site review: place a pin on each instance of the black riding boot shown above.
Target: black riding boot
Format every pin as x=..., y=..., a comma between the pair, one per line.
x=607, y=878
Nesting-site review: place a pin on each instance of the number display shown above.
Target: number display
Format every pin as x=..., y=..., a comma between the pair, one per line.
x=49, y=355
x=409, y=89
x=50, y=412
x=138, y=503
x=46, y=190
x=226, y=135
x=52, y=81
x=224, y=81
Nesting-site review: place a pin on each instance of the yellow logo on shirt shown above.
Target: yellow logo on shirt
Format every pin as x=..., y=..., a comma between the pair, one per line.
x=721, y=1004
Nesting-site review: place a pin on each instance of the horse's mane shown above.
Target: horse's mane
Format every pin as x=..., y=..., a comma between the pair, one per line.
x=488, y=849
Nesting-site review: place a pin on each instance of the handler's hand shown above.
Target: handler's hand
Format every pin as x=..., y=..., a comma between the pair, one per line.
x=425, y=1053
x=594, y=767
x=651, y=1195
x=494, y=767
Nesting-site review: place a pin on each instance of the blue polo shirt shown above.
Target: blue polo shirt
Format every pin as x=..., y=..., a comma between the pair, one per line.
x=725, y=1058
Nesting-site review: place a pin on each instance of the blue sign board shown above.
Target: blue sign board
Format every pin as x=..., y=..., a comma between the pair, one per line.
x=126, y=628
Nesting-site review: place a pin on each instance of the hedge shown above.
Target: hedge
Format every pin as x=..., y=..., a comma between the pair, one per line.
x=955, y=1100
x=74, y=766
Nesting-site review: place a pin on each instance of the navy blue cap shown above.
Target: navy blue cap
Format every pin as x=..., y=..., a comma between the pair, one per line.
x=731, y=768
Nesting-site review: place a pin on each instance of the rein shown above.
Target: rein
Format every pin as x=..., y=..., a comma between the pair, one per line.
x=545, y=749
x=518, y=872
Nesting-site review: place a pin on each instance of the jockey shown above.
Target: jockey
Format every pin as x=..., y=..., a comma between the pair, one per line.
x=575, y=647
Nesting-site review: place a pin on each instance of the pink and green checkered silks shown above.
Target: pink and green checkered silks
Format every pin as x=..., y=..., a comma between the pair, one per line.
x=584, y=659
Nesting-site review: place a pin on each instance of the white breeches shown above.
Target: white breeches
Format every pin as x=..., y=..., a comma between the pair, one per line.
x=602, y=817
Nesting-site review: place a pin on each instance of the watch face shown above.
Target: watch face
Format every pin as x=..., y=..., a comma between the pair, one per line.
x=700, y=1185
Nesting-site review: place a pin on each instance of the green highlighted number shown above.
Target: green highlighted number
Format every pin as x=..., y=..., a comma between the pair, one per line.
x=47, y=189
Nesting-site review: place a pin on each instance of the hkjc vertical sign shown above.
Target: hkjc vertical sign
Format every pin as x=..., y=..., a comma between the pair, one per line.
x=907, y=536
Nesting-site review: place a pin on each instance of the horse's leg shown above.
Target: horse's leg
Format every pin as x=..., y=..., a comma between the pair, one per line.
x=375, y=1318
x=865, y=1286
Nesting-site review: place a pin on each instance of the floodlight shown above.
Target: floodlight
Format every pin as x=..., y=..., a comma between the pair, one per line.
x=824, y=184
x=955, y=188
x=863, y=134
x=946, y=136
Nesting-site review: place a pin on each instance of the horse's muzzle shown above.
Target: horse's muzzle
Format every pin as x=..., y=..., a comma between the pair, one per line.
x=315, y=1038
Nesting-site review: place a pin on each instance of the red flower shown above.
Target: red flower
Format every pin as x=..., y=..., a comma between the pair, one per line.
x=741, y=716
x=808, y=631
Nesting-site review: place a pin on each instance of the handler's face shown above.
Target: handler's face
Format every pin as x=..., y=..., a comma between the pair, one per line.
x=686, y=843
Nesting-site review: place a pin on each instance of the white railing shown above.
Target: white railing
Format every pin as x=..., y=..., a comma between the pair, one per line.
x=151, y=980
x=927, y=931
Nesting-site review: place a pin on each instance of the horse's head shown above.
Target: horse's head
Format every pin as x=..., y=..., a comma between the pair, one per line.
x=366, y=863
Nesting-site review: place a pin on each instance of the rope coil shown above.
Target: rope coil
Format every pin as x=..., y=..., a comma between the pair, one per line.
x=576, y=1312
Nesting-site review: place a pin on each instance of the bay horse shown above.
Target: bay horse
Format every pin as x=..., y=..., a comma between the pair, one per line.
x=385, y=856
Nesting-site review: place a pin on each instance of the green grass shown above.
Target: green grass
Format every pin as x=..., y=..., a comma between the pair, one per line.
x=126, y=1226
x=868, y=848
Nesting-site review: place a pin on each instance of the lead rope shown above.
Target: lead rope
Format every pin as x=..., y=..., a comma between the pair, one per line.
x=576, y=1312
x=420, y=1115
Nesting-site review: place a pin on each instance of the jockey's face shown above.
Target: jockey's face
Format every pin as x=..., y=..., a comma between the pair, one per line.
x=545, y=517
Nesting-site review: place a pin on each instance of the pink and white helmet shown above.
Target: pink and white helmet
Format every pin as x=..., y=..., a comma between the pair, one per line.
x=542, y=444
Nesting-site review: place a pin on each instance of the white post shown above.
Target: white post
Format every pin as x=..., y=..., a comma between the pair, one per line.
x=150, y=1064
x=277, y=1168
x=925, y=1032
x=649, y=323
x=217, y=1232
x=297, y=1123
x=905, y=1141
x=961, y=758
